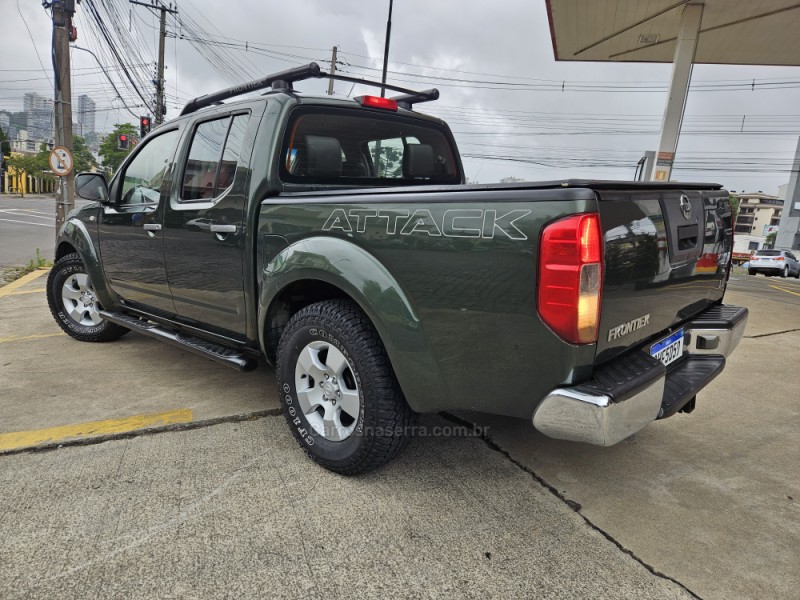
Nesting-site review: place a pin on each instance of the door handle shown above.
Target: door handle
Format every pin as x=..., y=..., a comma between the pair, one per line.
x=152, y=226
x=223, y=229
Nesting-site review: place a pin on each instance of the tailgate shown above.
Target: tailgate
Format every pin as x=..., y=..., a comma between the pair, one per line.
x=666, y=259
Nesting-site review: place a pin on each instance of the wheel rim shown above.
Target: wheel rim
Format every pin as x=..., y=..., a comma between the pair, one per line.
x=327, y=391
x=79, y=300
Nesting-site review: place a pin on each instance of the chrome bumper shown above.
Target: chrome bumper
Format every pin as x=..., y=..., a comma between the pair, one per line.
x=624, y=397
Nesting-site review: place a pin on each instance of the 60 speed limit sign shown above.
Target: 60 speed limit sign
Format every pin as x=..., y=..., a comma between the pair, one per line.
x=61, y=161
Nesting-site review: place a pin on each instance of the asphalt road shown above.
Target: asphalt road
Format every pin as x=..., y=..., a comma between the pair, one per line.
x=762, y=289
x=27, y=224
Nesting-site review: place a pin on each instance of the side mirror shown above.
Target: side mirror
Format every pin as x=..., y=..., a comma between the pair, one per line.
x=91, y=186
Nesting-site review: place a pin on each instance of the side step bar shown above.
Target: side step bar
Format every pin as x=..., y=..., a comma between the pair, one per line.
x=221, y=354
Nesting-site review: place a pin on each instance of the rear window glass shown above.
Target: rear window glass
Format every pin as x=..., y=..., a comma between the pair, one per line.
x=344, y=147
x=768, y=253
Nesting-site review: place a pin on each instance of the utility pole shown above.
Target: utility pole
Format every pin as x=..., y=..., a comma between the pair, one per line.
x=333, y=70
x=386, y=48
x=62, y=109
x=161, y=105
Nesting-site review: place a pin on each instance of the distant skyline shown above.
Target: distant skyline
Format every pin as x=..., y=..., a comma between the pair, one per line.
x=514, y=110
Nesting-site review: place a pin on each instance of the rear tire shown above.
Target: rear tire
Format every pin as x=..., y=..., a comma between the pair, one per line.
x=785, y=272
x=751, y=272
x=338, y=391
x=74, y=305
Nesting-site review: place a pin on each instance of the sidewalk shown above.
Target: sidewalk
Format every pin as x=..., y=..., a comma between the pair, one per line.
x=57, y=389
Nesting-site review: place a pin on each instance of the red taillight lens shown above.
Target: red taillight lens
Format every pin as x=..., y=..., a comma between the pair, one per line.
x=377, y=102
x=779, y=258
x=571, y=277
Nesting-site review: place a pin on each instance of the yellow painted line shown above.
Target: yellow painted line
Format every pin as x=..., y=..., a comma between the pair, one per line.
x=775, y=287
x=23, y=338
x=7, y=289
x=21, y=292
x=25, y=439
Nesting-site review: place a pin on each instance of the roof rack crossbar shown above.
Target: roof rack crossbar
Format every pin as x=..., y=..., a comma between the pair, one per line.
x=280, y=80
x=407, y=101
x=388, y=86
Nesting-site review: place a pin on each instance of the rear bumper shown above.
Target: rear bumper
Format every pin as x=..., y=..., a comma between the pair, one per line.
x=766, y=268
x=634, y=389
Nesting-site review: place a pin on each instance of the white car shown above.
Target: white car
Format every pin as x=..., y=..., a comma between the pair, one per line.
x=774, y=262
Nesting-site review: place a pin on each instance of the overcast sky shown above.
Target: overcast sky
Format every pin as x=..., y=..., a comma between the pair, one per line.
x=513, y=131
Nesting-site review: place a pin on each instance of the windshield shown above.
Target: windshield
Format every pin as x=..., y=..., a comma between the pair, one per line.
x=363, y=148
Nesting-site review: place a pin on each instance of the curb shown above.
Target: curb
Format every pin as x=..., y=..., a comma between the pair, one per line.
x=18, y=283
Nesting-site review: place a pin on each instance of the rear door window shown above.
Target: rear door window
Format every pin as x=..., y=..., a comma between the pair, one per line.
x=213, y=156
x=363, y=148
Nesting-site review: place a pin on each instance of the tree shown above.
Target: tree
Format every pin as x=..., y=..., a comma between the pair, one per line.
x=111, y=155
x=82, y=156
x=24, y=163
x=734, y=200
x=5, y=145
x=770, y=239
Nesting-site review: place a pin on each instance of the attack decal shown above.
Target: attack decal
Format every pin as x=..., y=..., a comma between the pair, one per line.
x=455, y=223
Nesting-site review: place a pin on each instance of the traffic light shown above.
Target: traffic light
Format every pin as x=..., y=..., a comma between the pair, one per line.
x=123, y=141
x=144, y=126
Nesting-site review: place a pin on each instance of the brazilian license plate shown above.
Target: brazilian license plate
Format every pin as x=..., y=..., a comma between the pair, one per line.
x=669, y=349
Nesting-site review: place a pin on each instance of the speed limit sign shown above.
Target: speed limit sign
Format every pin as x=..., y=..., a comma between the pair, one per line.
x=61, y=161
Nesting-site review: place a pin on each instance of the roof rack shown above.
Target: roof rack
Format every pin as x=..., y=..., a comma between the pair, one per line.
x=407, y=101
x=281, y=80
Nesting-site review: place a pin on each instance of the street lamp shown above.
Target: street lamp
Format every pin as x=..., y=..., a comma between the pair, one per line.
x=102, y=68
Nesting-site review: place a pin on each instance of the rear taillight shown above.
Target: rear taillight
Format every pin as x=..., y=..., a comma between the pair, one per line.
x=779, y=258
x=571, y=277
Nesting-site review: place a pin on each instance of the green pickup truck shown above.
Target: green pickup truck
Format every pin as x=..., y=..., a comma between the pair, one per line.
x=335, y=239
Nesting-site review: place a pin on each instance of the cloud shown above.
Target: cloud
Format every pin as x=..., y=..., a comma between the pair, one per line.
x=464, y=48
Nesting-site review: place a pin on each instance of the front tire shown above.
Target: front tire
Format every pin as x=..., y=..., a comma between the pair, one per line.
x=338, y=391
x=74, y=305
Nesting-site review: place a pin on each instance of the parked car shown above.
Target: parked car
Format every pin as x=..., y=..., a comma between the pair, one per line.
x=774, y=262
x=345, y=249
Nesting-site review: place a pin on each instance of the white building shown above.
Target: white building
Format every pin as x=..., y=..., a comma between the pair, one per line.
x=759, y=215
x=86, y=112
x=789, y=232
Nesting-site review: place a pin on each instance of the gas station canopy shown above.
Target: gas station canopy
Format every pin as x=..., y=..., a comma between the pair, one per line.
x=740, y=32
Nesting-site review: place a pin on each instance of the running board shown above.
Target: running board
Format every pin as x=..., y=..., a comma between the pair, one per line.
x=220, y=354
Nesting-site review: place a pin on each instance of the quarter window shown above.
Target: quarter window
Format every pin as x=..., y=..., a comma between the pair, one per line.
x=213, y=156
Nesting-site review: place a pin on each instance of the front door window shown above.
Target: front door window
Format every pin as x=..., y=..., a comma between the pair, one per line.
x=142, y=179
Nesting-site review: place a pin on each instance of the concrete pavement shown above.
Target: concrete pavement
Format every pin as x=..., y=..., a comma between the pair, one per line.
x=50, y=380
x=236, y=510
x=707, y=500
x=711, y=498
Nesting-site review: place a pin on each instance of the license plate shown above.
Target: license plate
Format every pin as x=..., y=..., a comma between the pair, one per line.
x=669, y=349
